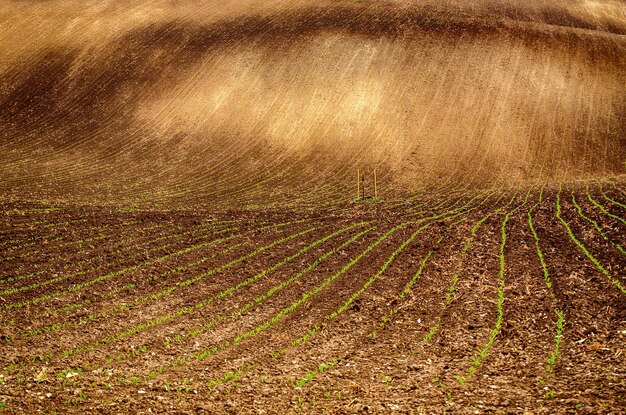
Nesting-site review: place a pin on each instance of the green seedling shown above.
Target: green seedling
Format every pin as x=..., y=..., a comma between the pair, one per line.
x=550, y=394
x=588, y=254
x=314, y=373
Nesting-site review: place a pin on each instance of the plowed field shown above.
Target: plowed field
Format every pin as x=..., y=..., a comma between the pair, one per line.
x=498, y=300
x=178, y=232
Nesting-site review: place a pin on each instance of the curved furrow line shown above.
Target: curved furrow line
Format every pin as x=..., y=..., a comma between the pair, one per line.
x=141, y=170
x=601, y=207
x=481, y=354
x=580, y=246
x=465, y=213
x=290, y=166
x=230, y=153
x=452, y=207
x=56, y=236
x=86, y=316
x=427, y=198
x=147, y=227
x=400, y=299
x=238, y=312
x=68, y=259
x=202, y=178
x=233, y=183
x=345, y=305
x=79, y=169
x=152, y=278
x=451, y=291
x=596, y=226
x=619, y=189
x=608, y=198
x=121, y=251
x=102, y=83
x=493, y=113
x=16, y=214
x=31, y=240
x=173, y=286
x=613, y=201
x=402, y=295
x=384, y=321
x=604, y=214
x=284, y=312
x=113, y=274
x=560, y=315
x=35, y=239
x=443, y=204
x=253, y=192
x=273, y=290
x=122, y=335
x=234, y=189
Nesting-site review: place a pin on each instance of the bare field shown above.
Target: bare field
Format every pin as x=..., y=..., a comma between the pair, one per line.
x=177, y=231
x=257, y=103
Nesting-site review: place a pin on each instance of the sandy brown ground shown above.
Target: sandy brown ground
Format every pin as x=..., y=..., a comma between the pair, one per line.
x=248, y=103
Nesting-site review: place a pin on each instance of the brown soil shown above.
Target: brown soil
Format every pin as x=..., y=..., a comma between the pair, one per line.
x=178, y=232
x=371, y=356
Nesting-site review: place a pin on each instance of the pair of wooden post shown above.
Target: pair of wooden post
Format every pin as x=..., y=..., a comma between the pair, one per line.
x=360, y=185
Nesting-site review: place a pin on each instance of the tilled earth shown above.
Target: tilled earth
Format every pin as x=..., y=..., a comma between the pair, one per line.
x=500, y=301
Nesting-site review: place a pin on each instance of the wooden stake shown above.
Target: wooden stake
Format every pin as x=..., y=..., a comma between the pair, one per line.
x=375, y=190
x=363, y=186
x=358, y=183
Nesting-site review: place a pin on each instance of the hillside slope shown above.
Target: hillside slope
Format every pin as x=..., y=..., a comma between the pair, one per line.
x=258, y=102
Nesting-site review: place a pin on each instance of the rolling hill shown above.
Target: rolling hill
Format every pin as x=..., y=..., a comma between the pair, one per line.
x=261, y=103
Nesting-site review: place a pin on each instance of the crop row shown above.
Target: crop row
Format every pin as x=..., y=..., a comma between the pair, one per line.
x=602, y=208
x=307, y=295
x=580, y=246
x=57, y=235
x=79, y=286
x=609, y=199
x=269, y=293
x=596, y=226
x=481, y=354
x=121, y=248
x=238, y=307
x=150, y=279
x=560, y=315
x=121, y=335
x=459, y=267
x=210, y=325
x=448, y=215
x=284, y=312
x=273, y=290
